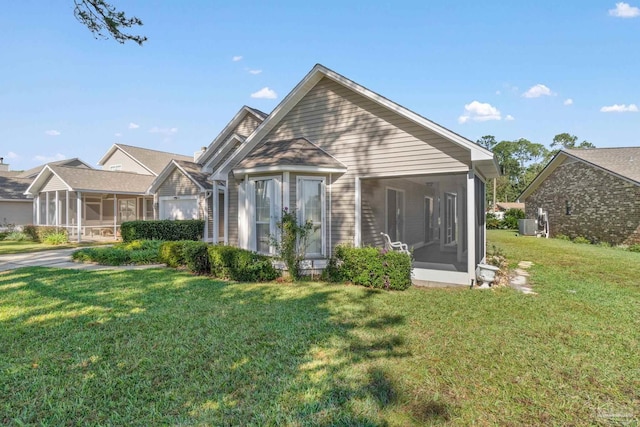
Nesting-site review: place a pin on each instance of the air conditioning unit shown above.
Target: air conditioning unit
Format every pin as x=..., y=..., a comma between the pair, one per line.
x=527, y=227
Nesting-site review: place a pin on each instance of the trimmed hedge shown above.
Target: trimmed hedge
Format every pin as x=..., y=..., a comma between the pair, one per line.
x=370, y=267
x=137, y=252
x=191, y=229
x=228, y=262
x=39, y=233
x=219, y=261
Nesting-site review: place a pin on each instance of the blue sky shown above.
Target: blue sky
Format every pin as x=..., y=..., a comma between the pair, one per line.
x=510, y=69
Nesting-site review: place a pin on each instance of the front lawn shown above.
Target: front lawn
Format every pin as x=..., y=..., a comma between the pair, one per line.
x=24, y=246
x=164, y=347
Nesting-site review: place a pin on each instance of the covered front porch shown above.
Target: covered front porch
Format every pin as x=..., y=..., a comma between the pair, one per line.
x=439, y=216
x=90, y=216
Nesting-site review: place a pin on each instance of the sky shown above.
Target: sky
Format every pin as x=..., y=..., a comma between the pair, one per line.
x=509, y=69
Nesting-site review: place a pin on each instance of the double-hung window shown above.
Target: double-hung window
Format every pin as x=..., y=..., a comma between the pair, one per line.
x=311, y=208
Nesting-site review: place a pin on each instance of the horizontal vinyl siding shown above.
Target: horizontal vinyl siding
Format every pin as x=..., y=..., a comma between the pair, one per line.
x=126, y=162
x=54, y=183
x=370, y=140
x=247, y=126
x=177, y=184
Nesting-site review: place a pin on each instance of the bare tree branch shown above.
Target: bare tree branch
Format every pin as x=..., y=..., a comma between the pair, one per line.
x=104, y=21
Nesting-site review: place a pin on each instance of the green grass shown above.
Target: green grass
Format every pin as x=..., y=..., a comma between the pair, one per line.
x=12, y=247
x=160, y=346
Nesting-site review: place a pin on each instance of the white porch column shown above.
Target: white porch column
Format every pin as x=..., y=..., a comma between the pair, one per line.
x=66, y=207
x=471, y=225
x=358, y=220
x=79, y=214
x=216, y=213
x=36, y=214
x=115, y=216
x=57, y=221
x=46, y=209
x=225, y=201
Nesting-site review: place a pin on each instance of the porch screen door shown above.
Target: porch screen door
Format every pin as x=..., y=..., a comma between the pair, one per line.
x=127, y=210
x=450, y=218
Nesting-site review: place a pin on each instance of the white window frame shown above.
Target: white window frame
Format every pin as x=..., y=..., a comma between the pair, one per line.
x=301, y=213
x=276, y=210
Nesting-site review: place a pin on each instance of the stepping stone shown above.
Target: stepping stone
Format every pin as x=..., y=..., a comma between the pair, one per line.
x=525, y=264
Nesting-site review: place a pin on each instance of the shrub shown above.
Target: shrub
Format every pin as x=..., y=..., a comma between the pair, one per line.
x=634, y=248
x=581, y=240
x=138, y=252
x=511, y=217
x=3, y=235
x=493, y=223
x=228, y=262
x=371, y=267
x=17, y=236
x=171, y=253
x=58, y=238
x=562, y=237
x=191, y=229
x=39, y=233
x=292, y=245
x=196, y=256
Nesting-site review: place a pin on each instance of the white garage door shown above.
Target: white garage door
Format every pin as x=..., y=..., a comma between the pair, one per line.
x=180, y=209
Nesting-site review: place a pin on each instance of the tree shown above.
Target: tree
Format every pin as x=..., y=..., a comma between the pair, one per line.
x=104, y=21
x=565, y=140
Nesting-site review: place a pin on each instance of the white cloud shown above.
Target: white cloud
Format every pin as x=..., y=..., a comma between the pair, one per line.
x=47, y=159
x=498, y=92
x=265, y=93
x=509, y=117
x=12, y=155
x=52, y=132
x=568, y=101
x=538, y=91
x=118, y=135
x=255, y=72
x=133, y=125
x=163, y=131
x=624, y=10
x=622, y=108
x=237, y=58
x=479, y=112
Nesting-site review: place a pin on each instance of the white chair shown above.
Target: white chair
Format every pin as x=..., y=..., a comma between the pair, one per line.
x=395, y=246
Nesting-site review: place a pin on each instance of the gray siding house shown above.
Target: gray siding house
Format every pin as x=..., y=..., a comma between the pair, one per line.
x=357, y=164
x=592, y=193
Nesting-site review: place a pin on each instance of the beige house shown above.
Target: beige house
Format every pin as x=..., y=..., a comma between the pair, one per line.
x=94, y=202
x=353, y=163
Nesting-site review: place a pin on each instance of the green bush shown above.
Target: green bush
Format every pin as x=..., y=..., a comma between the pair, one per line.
x=17, y=236
x=634, y=248
x=228, y=262
x=370, y=267
x=137, y=252
x=582, y=240
x=3, y=235
x=58, y=238
x=562, y=237
x=171, y=253
x=39, y=233
x=196, y=256
x=493, y=223
x=511, y=217
x=191, y=229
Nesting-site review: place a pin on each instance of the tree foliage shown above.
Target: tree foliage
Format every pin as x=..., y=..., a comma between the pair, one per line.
x=522, y=160
x=104, y=21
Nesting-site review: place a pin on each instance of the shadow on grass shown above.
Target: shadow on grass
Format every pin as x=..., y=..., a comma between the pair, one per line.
x=160, y=346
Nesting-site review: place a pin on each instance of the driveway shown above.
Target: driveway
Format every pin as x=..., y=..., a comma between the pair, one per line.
x=58, y=258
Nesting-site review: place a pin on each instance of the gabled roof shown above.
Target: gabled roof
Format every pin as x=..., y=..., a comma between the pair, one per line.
x=510, y=205
x=75, y=162
x=228, y=130
x=482, y=158
x=193, y=171
x=623, y=162
x=297, y=154
x=152, y=160
x=93, y=180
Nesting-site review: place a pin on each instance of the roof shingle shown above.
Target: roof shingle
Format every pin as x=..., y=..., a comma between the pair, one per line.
x=624, y=161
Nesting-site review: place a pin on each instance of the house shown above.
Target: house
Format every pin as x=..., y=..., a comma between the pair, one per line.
x=94, y=202
x=502, y=207
x=593, y=193
x=353, y=163
x=16, y=208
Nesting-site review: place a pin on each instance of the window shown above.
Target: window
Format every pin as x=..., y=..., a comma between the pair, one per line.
x=264, y=212
x=311, y=207
x=567, y=207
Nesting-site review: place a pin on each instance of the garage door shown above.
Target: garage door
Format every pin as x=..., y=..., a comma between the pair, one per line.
x=180, y=209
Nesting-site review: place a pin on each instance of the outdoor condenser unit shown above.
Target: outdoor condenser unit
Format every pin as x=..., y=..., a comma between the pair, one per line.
x=527, y=227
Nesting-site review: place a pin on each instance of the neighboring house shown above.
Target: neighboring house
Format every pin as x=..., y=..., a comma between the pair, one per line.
x=16, y=208
x=93, y=202
x=502, y=207
x=353, y=163
x=593, y=193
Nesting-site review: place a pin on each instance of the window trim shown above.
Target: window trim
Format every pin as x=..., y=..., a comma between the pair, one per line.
x=276, y=207
x=323, y=202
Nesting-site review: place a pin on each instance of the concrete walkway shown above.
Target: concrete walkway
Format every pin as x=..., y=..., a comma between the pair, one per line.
x=520, y=280
x=58, y=258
